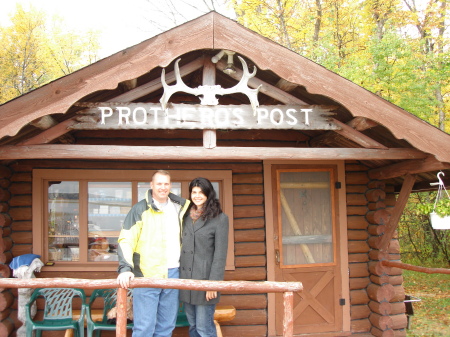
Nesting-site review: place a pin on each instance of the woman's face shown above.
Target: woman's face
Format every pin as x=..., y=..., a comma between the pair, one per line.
x=197, y=197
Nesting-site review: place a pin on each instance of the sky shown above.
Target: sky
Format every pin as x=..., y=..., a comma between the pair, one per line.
x=121, y=24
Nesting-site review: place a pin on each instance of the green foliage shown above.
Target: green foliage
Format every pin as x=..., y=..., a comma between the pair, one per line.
x=398, y=51
x=441, y=207
x=420, y=243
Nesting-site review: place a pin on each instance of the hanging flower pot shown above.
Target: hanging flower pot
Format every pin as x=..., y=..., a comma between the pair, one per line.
x=440, y=216
x=438, y=222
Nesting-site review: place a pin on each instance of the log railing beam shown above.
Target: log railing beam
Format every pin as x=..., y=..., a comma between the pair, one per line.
x=419, y=269
x=288, y=288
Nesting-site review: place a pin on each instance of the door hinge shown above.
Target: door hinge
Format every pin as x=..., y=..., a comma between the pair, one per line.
x=342, y=301
x=337, y=185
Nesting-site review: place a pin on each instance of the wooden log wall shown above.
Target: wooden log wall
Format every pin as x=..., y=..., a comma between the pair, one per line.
x=249, y=232
x=358, y=249
x=6, y=243
x=376, y=293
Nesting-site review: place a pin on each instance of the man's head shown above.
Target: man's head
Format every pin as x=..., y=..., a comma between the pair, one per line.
x=160, y=186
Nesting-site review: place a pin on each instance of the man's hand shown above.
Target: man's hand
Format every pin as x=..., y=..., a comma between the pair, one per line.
x=124, y=279
x=210, y=295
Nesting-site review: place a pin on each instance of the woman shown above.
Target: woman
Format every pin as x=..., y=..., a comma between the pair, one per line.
x=203, y=255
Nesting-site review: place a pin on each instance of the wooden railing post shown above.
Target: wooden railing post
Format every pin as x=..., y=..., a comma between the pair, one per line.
x=121, y=319
x=288, y=318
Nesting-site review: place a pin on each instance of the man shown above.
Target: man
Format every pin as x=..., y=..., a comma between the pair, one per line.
x=149, y=246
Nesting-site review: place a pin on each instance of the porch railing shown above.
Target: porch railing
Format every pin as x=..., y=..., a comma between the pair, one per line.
x=287, y=288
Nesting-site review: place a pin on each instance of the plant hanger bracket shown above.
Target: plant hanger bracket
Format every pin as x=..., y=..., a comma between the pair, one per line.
x=441, y=188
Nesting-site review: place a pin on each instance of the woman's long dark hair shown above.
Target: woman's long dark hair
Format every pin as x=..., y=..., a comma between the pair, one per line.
x=212, y=205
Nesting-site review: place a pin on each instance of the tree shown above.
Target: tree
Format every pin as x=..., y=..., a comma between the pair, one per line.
x=421, y=244
x=33, y=53
x=431, y=27
x=70, y=50
x=376, y=48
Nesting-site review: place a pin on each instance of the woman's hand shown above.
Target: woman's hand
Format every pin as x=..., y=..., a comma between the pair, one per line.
x=210, y=295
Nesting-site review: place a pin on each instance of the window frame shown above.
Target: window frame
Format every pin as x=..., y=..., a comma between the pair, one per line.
x=40, y=206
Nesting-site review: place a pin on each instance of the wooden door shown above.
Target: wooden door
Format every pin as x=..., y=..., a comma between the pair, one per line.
x=306, y=248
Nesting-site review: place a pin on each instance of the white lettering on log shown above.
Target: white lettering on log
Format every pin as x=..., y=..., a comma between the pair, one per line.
x=104, y=114
x=183, y=116
x=143, y=112
x=124, y=113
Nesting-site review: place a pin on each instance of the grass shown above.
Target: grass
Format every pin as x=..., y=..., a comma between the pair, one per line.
x=432, y=314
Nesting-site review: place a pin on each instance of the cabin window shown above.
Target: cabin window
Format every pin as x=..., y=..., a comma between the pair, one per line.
x=78, y=214
x=305, y=201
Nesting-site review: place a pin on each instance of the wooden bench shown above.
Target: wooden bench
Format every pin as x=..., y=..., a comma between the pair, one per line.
x=223, y=313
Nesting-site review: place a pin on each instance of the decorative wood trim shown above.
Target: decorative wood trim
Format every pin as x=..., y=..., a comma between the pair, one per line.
x=52, y=151
x=361, y=123
x=349, y=132
x=44, y=123
x=397, y=212
x=130, y=84
x=357, y=137
x=50, y=134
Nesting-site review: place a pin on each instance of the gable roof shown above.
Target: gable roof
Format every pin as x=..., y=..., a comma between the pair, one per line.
x=216, y=32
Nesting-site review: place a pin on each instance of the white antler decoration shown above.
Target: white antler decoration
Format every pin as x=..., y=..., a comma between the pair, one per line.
x=209, y=92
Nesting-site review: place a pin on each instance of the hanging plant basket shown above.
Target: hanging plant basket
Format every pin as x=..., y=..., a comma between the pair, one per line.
x=438, y=222
x=440, y=216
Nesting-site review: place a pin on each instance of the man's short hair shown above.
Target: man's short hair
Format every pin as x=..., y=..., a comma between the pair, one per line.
x=163, y=172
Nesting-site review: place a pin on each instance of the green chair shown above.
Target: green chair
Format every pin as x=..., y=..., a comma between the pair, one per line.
x=57, y=311
x=109, y=297
x=181, y=317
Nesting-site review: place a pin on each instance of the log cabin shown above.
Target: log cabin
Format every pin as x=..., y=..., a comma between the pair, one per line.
x=312, y=169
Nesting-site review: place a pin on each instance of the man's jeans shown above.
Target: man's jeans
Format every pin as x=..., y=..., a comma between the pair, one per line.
x=201, y=320
x=155, y=310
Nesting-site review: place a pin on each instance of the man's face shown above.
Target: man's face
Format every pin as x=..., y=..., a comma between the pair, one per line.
x=160, y=186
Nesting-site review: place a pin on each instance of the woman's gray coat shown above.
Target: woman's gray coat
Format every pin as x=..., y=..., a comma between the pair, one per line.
x=203, y=255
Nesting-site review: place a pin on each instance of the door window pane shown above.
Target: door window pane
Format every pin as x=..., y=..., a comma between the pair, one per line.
x=306, y=217
x=108, y=204
x=63, y=220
